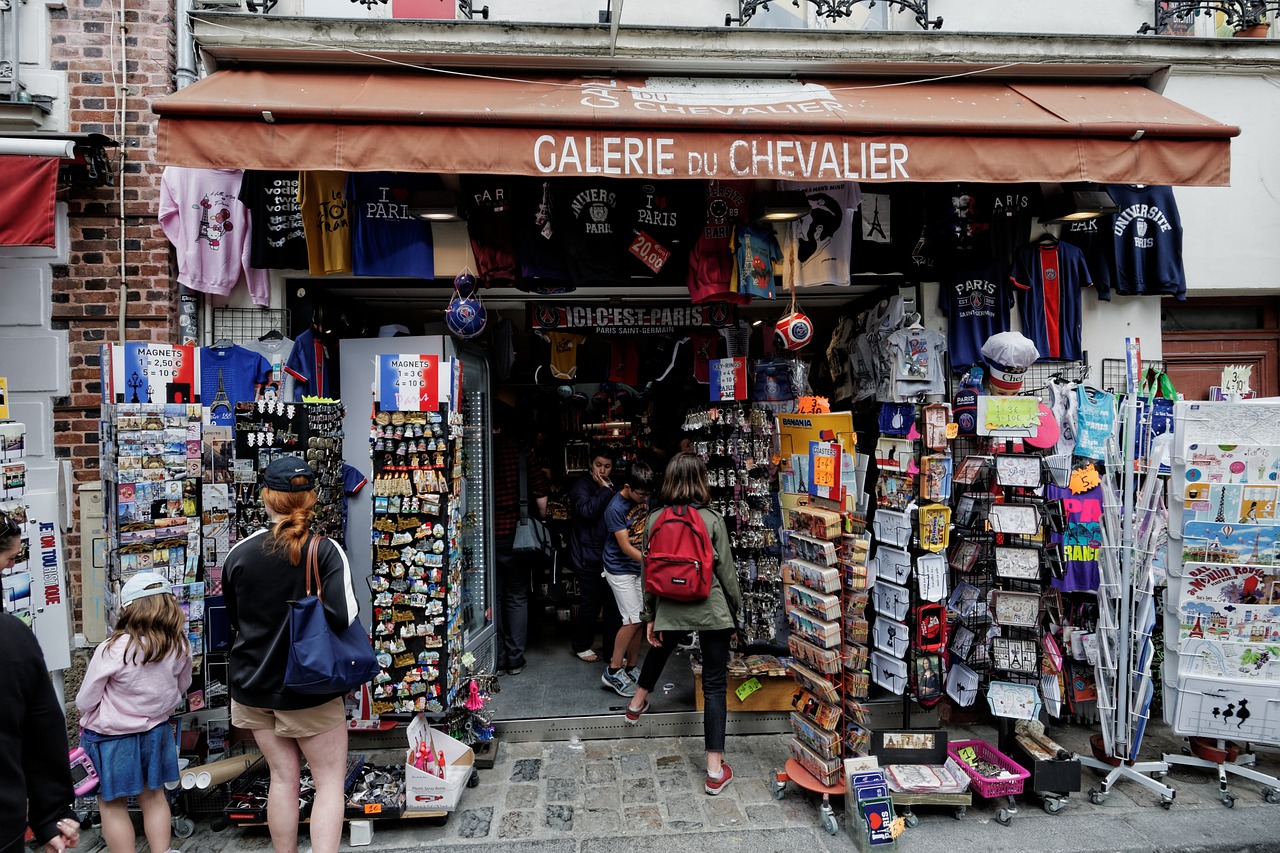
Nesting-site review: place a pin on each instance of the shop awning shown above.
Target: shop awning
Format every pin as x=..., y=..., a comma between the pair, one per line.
x=991, y=131
x=28, y=196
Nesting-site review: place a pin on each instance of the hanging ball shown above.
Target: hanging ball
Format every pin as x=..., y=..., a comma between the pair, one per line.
x=465, y=316
x=793, y=331
x=465, y=283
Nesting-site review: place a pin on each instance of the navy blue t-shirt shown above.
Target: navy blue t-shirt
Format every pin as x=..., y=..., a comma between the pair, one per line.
x=1148, y=243
x=385, y=238
x=977, y=304
x=230, y=375
x=623, y=514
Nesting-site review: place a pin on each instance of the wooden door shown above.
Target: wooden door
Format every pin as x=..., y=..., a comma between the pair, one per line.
x=1194, y=360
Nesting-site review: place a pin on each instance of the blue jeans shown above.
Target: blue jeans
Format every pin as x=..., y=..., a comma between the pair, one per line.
x=715, y=678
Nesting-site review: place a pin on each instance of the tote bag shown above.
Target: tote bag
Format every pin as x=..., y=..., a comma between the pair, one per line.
x=321, y=661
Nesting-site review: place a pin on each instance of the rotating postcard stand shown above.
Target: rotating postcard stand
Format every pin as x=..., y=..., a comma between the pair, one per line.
x=1223, y=687
x=1126, y=591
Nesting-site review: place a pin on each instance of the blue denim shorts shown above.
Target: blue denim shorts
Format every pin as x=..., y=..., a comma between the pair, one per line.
x=127, y=765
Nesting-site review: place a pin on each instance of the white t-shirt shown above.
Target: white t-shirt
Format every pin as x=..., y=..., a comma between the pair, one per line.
x=823, y=240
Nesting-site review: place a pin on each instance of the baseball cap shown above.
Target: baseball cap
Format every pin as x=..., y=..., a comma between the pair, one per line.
x=144, y=585
x=281, y=472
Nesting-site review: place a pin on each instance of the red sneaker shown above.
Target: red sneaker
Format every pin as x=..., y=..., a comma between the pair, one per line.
x=633, y=714
x=715, y=786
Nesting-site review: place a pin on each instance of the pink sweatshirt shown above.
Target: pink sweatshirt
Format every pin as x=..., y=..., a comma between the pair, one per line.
x=119, y=698
x=209, y=226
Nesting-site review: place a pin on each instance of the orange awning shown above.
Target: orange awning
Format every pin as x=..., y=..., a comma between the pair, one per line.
x=674, y=127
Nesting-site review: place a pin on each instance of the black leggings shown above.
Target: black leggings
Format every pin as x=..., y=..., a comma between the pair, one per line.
x=715, y=677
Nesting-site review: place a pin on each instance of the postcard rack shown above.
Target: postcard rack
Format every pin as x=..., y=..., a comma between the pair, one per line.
x=1222, y=686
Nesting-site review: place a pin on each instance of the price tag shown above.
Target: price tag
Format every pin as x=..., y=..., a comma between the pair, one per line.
x=751, y=685
x=953, y=430
x=373, y=808
x=650, y=252
x=468, y=660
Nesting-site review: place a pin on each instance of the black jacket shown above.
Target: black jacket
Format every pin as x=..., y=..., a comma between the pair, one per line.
x=36, y=788
x=587, y=536
x=257, y=586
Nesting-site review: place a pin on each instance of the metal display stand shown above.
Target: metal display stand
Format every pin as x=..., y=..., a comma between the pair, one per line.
x=1126, y=593
x=1212, y=683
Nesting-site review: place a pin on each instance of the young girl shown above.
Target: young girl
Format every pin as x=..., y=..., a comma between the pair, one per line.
x=136, y=680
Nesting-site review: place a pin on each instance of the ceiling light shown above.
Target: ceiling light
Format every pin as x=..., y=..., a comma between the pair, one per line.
x=434, y=206
x=1075, y=203
x=779, y=206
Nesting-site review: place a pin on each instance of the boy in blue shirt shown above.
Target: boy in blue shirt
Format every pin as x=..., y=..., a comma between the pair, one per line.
x=624, y=519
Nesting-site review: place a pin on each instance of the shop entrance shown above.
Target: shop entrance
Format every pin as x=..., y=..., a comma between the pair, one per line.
x=631, y=397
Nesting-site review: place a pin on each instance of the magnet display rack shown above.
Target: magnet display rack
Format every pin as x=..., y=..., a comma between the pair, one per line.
x=1222, y=682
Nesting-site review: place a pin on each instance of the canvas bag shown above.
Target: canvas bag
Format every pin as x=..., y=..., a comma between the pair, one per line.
x=321, y=661
x=678, y=556
x=532, y=536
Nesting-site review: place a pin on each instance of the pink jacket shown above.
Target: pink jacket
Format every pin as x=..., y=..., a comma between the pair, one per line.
x=209, y=226
x=120, y=698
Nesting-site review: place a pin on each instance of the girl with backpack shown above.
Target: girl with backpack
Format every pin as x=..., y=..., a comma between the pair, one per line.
x=136, y=680
x=669, y=621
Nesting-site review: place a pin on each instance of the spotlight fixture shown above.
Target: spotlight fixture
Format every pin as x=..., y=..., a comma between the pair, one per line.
x=434, y=206
x=1078, y=202
x=779, y=206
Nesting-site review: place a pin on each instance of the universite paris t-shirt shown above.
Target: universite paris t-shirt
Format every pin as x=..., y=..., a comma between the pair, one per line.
x=592, y=214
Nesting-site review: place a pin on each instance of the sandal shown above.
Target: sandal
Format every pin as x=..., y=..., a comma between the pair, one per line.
x=589, y=656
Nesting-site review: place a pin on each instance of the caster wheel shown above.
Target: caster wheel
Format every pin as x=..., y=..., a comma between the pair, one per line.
x=438, y=821
x=1229, y=801
x=183, y=827
x=1166, y=803
x=960, y=813
x=1096, y=797
x=1271, y=795
x=219, y=823
x=911, y=820
x=1158, y=774
x=474, y=779
x=1053, y=806
x=1004, y=818
x=830, y=825
x=778, y=791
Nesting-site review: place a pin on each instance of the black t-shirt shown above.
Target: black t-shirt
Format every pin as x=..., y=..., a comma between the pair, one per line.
x=958, y=223
x=666, y=217
x=596, y=231
x=276, y=240
x=490, y=204
x=888, y=227
x=1013, y=210
x=539, y=227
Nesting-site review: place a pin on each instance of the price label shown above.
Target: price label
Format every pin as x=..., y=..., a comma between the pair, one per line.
x=824, y=471
x=373, y=808
x=468, y=660
x=650, y=252
x=953, y=431
x=751, y=685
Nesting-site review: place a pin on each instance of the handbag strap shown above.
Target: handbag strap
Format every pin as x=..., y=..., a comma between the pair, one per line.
x=313, y=564
x=524, y=484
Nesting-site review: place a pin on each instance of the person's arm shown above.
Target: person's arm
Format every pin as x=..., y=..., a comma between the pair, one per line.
x=539, y=484
x=624, y=544
x=44, y=748
x=101, y=667
x=589, y=500
x=340, y=607
x=649, y=608
x=229, y=600
x=182, y=669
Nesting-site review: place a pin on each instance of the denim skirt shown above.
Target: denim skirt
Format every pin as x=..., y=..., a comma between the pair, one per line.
x=127, y=765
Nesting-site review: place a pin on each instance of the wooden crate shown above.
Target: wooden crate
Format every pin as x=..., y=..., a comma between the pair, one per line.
x=774, y=694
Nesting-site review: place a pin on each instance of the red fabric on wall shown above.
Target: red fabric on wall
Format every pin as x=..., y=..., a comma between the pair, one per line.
x=28, y=191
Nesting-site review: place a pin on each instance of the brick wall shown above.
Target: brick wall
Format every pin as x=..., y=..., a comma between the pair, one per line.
x=86, y=37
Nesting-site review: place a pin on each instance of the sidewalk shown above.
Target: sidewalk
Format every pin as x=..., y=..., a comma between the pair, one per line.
x=619, y=796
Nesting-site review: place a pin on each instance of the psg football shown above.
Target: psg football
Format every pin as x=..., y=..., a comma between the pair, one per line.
x=465, y=316
x=793, y=331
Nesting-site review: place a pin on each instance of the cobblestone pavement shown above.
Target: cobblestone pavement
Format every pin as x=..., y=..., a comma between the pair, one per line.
x=605, y=796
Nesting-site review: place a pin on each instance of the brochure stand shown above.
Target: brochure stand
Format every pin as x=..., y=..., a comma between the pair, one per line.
x=1222, y=688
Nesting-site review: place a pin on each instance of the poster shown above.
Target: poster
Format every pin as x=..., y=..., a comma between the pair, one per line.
x=795, y=431
x=728, y=379
x=150, y=373
x=408, y=383
x=825, y=469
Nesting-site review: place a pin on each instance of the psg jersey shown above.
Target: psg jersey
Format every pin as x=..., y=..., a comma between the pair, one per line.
x=1049, y=277
x=977, y=304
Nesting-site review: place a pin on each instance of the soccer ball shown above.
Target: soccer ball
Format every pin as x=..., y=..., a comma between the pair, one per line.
x=465, y=283
x=465, y=316
x=793, y=331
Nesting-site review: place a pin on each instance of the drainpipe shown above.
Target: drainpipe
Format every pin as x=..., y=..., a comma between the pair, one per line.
x=186, y=48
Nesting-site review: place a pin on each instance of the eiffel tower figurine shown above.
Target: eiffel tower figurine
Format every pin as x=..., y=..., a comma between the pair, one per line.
x=220, y=400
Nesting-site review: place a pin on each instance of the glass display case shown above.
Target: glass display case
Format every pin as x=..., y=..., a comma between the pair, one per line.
x=477, y=497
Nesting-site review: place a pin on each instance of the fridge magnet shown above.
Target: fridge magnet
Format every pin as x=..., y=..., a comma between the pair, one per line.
x=1016, y=470
x=935, y=477
x=935, y=524
x=971, y=468
x=893, y=564
x=931, y=576
x=965, y=600
x=893, y=527
x=894, y=454
x=962, y=684
x=1018, y=563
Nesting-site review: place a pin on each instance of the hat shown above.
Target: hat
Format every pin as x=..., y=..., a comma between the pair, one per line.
x=143, y=585
x=282, y=471
x=1008, y=355
x=1048, y=432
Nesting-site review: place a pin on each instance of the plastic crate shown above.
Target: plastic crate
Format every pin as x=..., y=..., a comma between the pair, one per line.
x=983, y=786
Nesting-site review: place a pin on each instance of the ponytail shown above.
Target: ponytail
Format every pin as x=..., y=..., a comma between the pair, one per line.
x=292, y=531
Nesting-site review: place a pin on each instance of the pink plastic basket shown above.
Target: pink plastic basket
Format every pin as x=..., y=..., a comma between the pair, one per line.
x=989, y=788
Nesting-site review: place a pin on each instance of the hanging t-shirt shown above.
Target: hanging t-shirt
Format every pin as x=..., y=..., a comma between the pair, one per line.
x=1095, y=420
x=386, y=240
x=352, y=484
x=756, y=252
x=1049, y=278
x=276, y=351
x=1081, y=539
x=711, y=260
x=564, y=354
x=1093, y=238
x=230, y=375
x=537, y=232
x=489, y=203
x=888, y=227
x=772, y=382
x=665, y=219
x=308, y=363
x=918, y=354
x=824, y=238
x=958, y=224
x=1062, y=403
x=1013, y=212
x=704, y=350
x=976, y=303
x=1147, y=233
x=624, y=360
x=277, y=240
x=326, y=219
x=840, y=358
x=592, y=216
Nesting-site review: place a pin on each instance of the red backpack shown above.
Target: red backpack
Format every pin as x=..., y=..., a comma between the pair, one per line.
x=678, y=558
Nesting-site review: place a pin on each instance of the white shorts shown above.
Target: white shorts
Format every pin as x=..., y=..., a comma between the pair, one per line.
x=629, y=595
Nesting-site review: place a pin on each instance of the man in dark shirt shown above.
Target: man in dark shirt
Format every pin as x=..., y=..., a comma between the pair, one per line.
x=588, y=498
x=511, y=617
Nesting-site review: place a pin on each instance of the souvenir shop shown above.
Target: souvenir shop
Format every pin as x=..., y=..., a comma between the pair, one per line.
x=903, y=373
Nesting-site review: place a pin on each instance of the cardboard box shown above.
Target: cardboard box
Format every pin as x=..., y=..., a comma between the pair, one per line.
x=429, y=793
